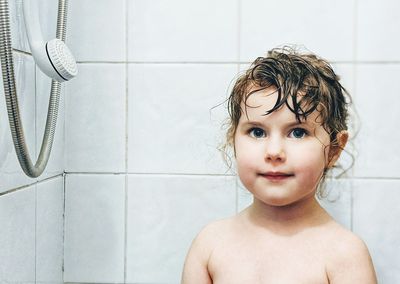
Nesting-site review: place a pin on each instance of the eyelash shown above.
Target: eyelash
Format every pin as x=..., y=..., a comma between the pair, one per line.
x=251, y=132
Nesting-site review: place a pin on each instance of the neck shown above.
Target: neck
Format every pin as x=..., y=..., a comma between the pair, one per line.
x=291, y=218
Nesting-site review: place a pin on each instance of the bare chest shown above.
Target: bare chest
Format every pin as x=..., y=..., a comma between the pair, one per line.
x=277, y=262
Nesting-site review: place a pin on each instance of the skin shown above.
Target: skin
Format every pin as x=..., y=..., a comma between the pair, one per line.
x=285, y=236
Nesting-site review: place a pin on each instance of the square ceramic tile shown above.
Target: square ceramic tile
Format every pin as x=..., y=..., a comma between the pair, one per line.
x=96, y=30
x=175, y=117
x=377, y=140
x=377, y=29
x=55, y=163
x=312, y=23
x=94, y=228
x=17, y=238
x=165, y=213
x=375, y=219
x=11, y=174
x=50, y=231
x=179, y=30
x=95, y=119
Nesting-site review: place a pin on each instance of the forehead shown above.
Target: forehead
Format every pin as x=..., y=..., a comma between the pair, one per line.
x=258, y=103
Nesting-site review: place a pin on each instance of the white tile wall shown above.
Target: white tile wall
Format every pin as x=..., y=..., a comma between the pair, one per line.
x=49, y=231
x=94, y=228
x=378, y=26
x=376, y=214
x=17, y=238
x=179, y=30
x=95, y=119
x=11, y=174
x=378, y=140
x=326, y=28
x=171, y=127
x=96, y=30
x=164, y=215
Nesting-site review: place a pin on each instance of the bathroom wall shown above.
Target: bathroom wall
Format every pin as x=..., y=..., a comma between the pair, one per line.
x=31, y=209
x=142, y=171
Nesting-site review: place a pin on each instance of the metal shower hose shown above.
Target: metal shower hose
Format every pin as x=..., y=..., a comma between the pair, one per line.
x=10, y=92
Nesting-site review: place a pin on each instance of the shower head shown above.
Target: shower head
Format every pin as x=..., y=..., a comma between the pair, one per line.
x=52, y=57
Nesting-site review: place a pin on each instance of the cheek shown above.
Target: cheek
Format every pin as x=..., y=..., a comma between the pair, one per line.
x=310, y=163
x=246, y=166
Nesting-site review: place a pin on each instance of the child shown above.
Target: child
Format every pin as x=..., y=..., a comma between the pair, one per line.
x=288, y=126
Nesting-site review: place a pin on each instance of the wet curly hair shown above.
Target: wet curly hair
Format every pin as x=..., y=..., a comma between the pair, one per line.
x=304, y=83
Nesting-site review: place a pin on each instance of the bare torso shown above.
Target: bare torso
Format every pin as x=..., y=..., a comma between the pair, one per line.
x=305, y=246
x=245, y=253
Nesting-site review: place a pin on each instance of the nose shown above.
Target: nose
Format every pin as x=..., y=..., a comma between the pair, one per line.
x=275, y=150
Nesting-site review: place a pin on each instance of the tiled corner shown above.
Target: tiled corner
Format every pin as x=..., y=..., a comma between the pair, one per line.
x=375, y=219
x=11, y=174
x=94, y=228
x=55, y=164
x=165, y=213
x=377, y=26
x=49, y=231
x=311, y=23
x=96, y=30
x=173, y=125
x=95, y=119
x=17, y=238
x=179, y=30
x=377, y=141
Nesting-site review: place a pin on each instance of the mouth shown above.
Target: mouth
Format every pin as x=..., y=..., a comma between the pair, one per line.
x=277, y=176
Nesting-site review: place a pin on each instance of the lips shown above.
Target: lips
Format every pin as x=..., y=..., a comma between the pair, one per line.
x=277, y=176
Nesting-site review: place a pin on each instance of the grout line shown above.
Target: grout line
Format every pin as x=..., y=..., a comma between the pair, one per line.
x=361, y=62
x=23, y=187
x=354, y=70
x=35, y=110
x=239, y=25
x=210, y=175
x=355, y=31
x=237, y=195
x=63, y=236
x=151, y=174
x=36, y=217
x=21, y=51
x=126, y=140
x=352, y=208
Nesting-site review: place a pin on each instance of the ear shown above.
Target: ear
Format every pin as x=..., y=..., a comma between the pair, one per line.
x=335, y=151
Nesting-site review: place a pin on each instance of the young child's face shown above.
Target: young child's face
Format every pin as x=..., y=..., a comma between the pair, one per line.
x=279, y=160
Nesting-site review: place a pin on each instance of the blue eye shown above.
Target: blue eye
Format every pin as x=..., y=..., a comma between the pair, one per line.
x=257, y=133
x=298, y=133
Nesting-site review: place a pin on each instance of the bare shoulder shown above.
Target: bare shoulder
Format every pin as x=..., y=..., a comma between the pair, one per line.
x=349, y=258
x=196, y=264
